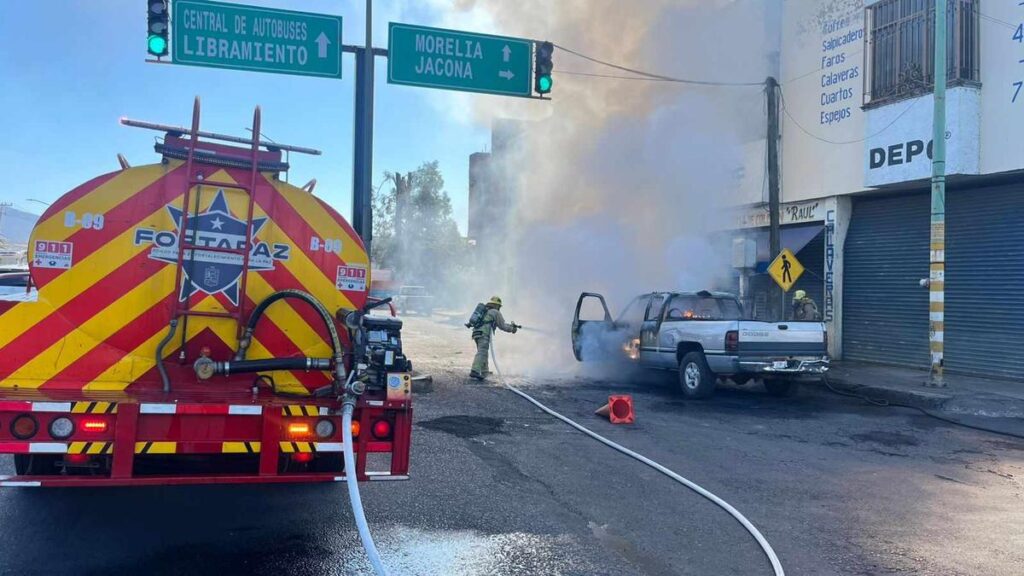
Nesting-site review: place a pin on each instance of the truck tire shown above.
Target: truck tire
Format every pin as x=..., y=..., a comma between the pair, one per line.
x=781, y=387
x=695, y=378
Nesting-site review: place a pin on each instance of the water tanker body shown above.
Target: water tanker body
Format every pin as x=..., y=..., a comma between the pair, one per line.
x=158, y=337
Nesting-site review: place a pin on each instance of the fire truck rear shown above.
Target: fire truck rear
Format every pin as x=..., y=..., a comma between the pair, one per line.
x=197, y=321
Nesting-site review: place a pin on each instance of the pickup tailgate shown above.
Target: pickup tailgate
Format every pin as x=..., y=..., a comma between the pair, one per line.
x=781, y=339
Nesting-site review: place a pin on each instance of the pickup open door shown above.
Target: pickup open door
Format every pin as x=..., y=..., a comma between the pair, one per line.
x=592, y=323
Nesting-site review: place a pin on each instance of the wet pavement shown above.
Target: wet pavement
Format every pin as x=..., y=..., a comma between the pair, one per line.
x=499, y=488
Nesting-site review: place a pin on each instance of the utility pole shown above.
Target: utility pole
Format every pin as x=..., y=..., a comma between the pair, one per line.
x=771, y=87
x=937, y=258
x=362, y=165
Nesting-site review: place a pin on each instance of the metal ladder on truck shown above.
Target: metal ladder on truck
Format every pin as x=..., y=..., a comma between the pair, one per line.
x=182, y=309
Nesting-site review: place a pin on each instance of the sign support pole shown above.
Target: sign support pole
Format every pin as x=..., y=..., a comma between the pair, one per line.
x=771, y=87
x=937, y=259
x=362, y=162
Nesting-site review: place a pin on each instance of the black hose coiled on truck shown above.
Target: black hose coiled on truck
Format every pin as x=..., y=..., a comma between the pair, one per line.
x=306, y=297
x=254, y=318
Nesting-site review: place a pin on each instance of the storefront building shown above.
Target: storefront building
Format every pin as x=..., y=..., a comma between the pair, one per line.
x=856, y=146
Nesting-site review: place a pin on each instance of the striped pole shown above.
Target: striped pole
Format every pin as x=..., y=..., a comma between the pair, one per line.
x=937, y=259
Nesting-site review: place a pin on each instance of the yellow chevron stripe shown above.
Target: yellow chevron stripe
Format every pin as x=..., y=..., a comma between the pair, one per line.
x=312, y=410
x=77, y=447
x=241, y=447
x=93, y=332
x=93, y=407
x=108, y=448
x=287, y=447
x=103, y=198
x=156, y=447
x=88, y=271
x=95, y=448
x=140, y=360
x=321, y=222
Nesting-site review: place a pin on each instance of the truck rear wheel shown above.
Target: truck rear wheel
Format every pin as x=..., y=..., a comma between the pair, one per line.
x=781, y=387
x=695, y=378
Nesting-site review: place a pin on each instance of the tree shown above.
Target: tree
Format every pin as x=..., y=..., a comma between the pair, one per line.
x=413, y=229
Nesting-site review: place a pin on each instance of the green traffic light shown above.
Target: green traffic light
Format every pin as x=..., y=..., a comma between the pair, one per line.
x=544, y=84
x=157, y=45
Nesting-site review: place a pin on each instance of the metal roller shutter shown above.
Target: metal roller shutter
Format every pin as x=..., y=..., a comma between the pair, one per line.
x=885, y=310
x=984, y=330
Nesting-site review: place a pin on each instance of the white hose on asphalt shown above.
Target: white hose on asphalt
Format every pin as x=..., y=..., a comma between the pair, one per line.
x=765, y=546
x=353, y=491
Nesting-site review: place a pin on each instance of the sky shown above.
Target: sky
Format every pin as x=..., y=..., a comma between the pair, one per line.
x=72, y=68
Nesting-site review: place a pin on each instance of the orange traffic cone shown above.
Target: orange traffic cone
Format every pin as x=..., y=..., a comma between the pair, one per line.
x=619, y=409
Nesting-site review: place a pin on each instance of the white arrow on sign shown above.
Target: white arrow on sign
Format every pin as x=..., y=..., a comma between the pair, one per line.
x=506, y=74
x=322, y=42
x=506, y=52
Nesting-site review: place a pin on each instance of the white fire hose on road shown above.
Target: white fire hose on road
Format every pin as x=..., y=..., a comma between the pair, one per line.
x=765, y=546
x=353, y=484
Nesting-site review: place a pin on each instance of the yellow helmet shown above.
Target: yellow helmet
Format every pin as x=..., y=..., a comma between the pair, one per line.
x=495, y=301
x=799, y=295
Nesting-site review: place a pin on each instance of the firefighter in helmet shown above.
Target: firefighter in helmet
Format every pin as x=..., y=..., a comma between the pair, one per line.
x=483, y=331
x=804, y=307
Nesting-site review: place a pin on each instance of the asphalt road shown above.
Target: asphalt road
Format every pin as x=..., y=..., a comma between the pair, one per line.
x=499, y=488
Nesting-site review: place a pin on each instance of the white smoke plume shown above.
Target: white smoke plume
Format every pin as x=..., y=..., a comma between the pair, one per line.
x=618, y=186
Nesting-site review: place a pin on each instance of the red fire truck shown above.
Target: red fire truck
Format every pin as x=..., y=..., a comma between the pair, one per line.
x=196, y=321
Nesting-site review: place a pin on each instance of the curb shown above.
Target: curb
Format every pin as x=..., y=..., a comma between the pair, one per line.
x=916, y=398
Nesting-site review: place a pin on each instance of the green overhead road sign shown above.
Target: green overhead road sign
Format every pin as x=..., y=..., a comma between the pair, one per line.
x=242, y=37
x=453, y=60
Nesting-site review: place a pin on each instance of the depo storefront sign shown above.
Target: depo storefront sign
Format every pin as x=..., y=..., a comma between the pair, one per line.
x=900, y=148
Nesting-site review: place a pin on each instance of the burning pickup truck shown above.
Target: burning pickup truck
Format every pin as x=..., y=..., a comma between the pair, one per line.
x=702, y=335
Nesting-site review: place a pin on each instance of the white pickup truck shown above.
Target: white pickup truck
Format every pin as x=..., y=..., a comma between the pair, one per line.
x=704, y=337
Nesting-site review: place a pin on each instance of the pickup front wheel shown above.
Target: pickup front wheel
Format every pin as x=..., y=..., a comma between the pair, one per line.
x=695, y=378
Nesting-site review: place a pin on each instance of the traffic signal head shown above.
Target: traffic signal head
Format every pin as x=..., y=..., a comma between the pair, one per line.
x=156, y=31
x=542, y=67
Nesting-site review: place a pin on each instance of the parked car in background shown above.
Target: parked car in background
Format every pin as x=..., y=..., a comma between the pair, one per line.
x=703, y=336
x=13, y=281
x=412, y=299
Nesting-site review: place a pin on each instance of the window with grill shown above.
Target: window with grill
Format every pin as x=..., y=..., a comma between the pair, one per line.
x=901, y=39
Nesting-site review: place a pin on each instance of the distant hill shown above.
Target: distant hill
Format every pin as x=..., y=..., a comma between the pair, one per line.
x=17, y=225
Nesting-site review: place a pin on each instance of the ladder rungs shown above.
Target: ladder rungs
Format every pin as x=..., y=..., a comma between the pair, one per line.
x=239, y=251
x=215, y=184
x=235, y=315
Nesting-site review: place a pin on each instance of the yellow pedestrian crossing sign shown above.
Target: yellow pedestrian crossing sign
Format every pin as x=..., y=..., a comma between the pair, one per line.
x=786, y=269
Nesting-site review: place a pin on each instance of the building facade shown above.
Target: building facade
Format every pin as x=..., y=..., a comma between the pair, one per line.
x=856, y=113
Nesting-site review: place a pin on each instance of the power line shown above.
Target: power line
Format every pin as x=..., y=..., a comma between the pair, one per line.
x=785, y=109
x=615, y=76
x=656, y=76
x=995, y=20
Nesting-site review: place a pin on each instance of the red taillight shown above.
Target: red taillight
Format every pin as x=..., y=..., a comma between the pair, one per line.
x=76, y=458
x=24, y=427
x=302, y=457
x=94, y=426
x=732, y=341
x=381, y=429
